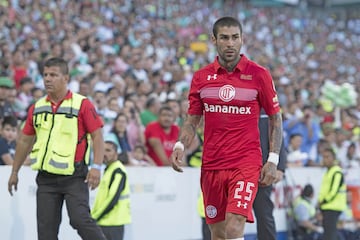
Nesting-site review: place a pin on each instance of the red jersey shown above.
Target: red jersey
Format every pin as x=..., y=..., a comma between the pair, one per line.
x=88, y=122
x=231, y=103
x=168, y=140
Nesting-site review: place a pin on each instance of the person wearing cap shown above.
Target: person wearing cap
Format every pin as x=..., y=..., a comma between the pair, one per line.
x=58, y=132
x=111, y=208
x=5, y=107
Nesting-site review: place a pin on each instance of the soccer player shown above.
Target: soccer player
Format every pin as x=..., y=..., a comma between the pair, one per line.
x=229, y=93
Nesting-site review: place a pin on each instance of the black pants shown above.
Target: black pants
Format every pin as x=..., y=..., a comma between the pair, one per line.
x=52, y=191
x=263, y=209
x=329, y=221
x=205, y=230
x=113, y=232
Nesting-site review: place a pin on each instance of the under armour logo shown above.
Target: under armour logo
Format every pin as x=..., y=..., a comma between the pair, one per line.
x=209, y=77
x=243, y=205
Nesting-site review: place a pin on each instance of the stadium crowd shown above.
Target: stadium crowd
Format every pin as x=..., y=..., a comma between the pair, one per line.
x=132, y=56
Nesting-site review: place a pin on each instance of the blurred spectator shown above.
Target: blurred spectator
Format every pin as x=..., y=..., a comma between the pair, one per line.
x=161, y=136
x=37, y=93
x=306, y=217
x=101, y=106
x=135, y=128
x=150, y=113
x=302, y=123
x=295, y=157
x=174, y=104
x=8, y=140
x=5, y=107
x=316, y=153
x=19, y=67
x=118, y=134
x=139, y=157
x=24, y=97
x=341, y=145
x=352, y=158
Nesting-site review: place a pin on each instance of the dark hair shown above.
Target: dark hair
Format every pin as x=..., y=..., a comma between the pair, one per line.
x=331, y=151
x=226, y=22
x=295, y=135
x=25, y=80
x=150, y=102
x=58, y=62
x=114, y=145
x=141, y=147
x=165, y=108
x=308, y=191
x=9, y=120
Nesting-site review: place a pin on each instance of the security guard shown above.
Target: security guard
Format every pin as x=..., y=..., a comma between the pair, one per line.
x=57, y=132
x=111, y=208
x=305, y=215
x=332, y=195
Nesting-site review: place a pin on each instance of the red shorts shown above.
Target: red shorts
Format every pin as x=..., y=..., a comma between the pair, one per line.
x=229, y=190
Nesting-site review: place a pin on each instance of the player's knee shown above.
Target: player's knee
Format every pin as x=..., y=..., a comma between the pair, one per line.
x=235, y=225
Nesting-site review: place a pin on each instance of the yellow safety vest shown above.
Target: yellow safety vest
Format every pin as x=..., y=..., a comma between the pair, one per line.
x=200, y=205
x=332, y=195
x=310, y=208
x=195, y=158
x=112, y=207
x=57, y=136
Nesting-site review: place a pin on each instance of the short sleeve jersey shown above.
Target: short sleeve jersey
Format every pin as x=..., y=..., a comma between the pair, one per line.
x=88, y=122
x=231, y=103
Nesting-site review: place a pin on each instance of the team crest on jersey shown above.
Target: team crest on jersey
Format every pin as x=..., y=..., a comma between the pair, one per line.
x=227, y=93
x=211, y=211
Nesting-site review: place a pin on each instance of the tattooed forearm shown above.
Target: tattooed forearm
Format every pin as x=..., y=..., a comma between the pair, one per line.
x=276, y=132
x=188, y=129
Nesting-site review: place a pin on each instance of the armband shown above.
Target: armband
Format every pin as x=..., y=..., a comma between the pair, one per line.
x=274, y=158
x=179, y=145
x=96, y=166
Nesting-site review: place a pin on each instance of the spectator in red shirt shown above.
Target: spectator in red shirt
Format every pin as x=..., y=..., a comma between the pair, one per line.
x=161, y=136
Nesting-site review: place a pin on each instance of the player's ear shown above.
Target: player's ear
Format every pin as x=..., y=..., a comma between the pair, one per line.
x=213, y=39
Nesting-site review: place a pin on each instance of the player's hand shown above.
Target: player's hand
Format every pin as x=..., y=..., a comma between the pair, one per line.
x=176, y=159
x=279, y=176
x=13, y=182
x=268, y=174
x=93, y=178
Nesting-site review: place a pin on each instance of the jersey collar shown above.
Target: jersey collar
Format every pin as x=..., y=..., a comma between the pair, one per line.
x=240, y=66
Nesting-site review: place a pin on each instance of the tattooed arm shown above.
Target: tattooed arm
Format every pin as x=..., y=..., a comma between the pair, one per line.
x=187, y=134
x=268, y=172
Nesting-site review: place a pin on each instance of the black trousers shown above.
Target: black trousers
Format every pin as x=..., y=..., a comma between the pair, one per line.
x=329, y=221
x=113, y=232
x=263, y=209
x=52, y=191
x=205, y=230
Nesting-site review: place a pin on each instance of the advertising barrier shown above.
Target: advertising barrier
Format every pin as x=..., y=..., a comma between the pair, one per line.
x=163, y=203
